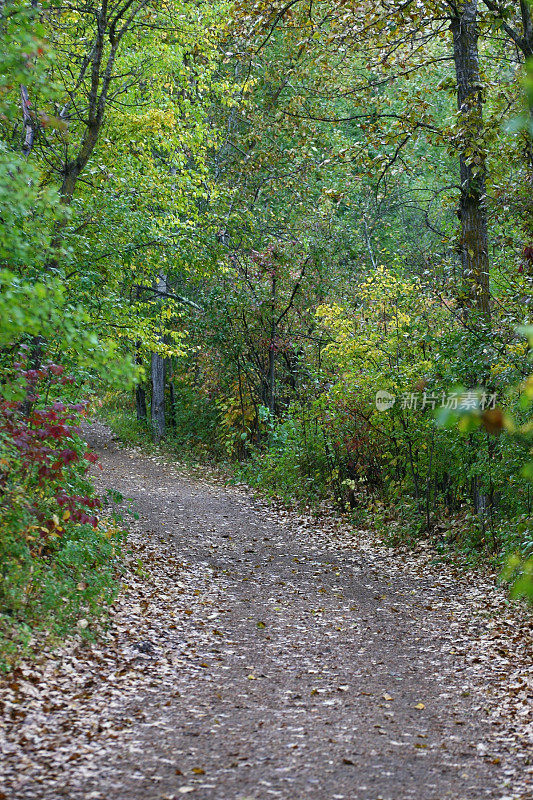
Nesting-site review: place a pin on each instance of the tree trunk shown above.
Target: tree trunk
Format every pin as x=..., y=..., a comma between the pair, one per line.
x=29, y=127
x=473, y=246
x=172, y=410
x=172, y=394
x=523, y=39
x=158, y=382
x=158, y=396
x=271, y=375
x=527, y=49
x=140, y=392
x=140, y=403
x=527, y=24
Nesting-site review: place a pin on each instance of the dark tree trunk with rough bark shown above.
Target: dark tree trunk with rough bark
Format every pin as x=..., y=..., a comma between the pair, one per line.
x=519, y=30
x=158, y=396
x=473, y=244
x=140, y=403
x=172, y=409
x=158, y=382
x=140, y=391
x=527, y=24
x=271, y=373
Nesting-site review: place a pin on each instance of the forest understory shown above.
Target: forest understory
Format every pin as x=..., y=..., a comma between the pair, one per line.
x=288, y=243
x=254, y=651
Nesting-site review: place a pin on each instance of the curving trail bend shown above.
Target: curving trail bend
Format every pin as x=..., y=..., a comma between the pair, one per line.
x=256, y=653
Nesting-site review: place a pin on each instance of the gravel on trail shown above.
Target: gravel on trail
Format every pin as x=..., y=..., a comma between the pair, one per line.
x=256, y=652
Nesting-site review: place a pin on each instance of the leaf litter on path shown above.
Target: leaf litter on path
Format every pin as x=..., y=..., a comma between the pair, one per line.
x=337, y=667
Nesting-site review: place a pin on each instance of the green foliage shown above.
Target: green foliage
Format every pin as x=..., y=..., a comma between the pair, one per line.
x=28, y=211
x=397, y=468
x=519, y=568
x=265, y=195
x=58, y=558
x=56, y=593
x=32, y=309
x=295, y=462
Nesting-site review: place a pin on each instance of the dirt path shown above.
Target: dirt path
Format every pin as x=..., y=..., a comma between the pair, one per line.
x=255, y=655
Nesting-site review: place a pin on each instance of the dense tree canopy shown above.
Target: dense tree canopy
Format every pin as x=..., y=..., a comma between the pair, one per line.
x=295, y=235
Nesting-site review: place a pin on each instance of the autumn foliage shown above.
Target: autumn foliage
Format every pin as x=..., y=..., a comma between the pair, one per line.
x=44, y=458
x=56, y=553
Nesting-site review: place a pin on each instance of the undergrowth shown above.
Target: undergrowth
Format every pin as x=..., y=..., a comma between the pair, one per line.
x=300, y=471
x=59, y=555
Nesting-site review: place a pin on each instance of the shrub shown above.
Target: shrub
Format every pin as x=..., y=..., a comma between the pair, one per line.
x=57, y=556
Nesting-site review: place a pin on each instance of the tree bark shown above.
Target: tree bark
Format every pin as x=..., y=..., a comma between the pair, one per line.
x=140, y=391
x=140, y=403
x=172, y=391
x=473, y=245
x=158, y=396
x=158, y=382
x=271, y=374
x=522, y=39
x=29, y=128
x=111, y=24
x=527, y=25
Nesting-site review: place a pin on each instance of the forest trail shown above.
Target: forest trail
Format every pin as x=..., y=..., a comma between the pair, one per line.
x=255, y=655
